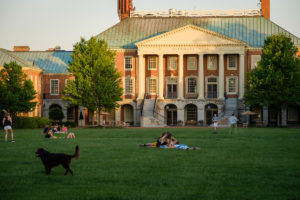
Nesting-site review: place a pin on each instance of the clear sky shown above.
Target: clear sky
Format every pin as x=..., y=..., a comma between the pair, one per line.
x=42, y=24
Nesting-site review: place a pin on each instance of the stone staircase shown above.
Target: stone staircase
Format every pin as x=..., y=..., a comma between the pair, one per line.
x=148, y=119
x=230, y=107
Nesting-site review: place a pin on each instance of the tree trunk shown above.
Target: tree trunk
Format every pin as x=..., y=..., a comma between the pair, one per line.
x=278, y=117
x=99, y=118
x=93, y=123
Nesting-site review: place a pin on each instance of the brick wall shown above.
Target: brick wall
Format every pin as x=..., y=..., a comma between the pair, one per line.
x=61, y=82
x=36, y=76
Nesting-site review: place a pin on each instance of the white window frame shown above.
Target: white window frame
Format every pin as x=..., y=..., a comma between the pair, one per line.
x=187, y=84
x=171, y=60
x=148, y=85
x=188, y=63
x=150, y=63
x=131, y=59
x=235, y=59
x=206, y=83
x=236, y=85
x=209, y=60
x=51, y=92
x=66, y=81
x=254, y=61
x=133, y=84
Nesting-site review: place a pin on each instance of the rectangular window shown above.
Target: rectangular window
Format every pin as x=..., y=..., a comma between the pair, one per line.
x=152, y=86
x=192, y=83
x=172, y=62
x=152, y=62
x=128, y=63
x=211, y=62
x=232, y=62
x=54, y=86
x=232, y=85
x=192, y=63
x=128, y=86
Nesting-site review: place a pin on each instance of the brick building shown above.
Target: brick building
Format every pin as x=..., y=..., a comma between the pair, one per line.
x=183, y=66
x=179, y=67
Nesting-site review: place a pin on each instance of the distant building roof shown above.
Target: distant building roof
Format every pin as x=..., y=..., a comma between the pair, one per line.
x=252, y=30
x=51, y=62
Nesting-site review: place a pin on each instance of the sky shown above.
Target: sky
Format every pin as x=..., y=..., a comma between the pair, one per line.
x=43, y=24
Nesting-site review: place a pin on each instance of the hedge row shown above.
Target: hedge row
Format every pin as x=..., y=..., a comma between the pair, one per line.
x=30, y=122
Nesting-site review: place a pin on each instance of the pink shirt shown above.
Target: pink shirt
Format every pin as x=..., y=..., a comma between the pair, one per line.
x=64, y=129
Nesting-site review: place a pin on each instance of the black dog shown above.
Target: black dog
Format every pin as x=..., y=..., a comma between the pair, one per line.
x=53, y=159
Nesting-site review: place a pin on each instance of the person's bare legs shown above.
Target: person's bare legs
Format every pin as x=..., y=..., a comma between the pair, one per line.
x=12, y=134
x=6, y=133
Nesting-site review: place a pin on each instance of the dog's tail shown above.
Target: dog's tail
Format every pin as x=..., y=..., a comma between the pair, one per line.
x=76, y=154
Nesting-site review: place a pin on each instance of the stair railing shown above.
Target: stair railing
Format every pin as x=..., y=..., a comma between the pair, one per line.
x=142, y=104
x=156, y=113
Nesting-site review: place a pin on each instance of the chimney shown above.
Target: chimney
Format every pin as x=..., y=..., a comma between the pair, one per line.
x=21, y=48
x=265, y=8
x=124, y=8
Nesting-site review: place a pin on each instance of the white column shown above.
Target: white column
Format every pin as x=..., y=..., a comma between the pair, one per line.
x=241, y=76
x=160, y=77
x=180, y=76
x=221, y=76
x=200, y=77
x=141, y=78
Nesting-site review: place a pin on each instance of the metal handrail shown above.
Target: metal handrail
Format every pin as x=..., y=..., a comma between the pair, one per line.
x=156, y=115
x=142, y=104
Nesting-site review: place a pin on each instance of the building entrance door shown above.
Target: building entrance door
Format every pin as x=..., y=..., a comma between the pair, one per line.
x=171, y=115
x=210, y=110
x=172, y=91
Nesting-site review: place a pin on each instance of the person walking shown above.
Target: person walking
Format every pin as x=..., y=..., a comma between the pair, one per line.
x=7, y=123
x=215, y=123
x=233, y=124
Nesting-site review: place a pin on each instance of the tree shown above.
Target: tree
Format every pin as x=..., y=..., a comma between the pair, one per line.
x=276, y=80
x=97, y=81
x=56, y=114
x=16, y=92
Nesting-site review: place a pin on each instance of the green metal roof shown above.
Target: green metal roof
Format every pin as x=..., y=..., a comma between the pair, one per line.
x=252, y=30
x=51, y=62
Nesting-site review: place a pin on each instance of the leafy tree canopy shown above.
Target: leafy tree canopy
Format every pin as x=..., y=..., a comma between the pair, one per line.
x=97, y=81
x=16, y=92
x=276, y=80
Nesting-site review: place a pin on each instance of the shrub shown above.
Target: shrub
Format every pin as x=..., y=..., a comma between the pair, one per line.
x=30, y=122
x=69, y=124
x=56, y=114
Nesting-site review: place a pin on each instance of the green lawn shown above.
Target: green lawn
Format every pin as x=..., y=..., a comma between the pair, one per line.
x=262, y=163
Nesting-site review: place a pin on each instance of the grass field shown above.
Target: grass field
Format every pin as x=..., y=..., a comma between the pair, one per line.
x=262, y=163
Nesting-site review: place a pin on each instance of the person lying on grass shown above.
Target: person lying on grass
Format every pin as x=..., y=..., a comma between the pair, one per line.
x=166, y=140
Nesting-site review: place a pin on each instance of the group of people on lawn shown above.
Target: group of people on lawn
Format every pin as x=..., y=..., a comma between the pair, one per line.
x=50, y=133
x=167, y=141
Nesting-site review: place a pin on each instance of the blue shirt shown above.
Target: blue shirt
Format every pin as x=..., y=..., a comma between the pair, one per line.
x=233, y=120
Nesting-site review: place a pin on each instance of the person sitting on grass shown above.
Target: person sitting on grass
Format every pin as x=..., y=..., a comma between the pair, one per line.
x=71, y=135
x=46, y=129
x=49, y=135
x=64, y=129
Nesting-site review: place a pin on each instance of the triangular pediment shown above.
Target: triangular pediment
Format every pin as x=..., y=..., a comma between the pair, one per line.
x=190, y=35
